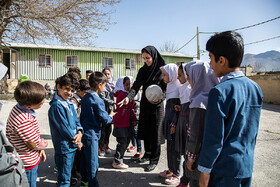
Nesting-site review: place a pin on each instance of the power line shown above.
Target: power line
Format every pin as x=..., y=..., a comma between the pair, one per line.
x=235, y=30
x=263, y=40
x=185, y=44
x=246, y=26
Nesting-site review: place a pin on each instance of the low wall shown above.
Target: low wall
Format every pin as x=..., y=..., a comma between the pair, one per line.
x=270, y=85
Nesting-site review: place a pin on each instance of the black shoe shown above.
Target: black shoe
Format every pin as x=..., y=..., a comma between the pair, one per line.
x=150, y=167
x=142, y=160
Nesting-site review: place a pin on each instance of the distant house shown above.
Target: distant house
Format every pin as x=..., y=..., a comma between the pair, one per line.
x=47, y=62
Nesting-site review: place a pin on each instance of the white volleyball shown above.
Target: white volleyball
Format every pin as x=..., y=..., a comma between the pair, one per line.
x=154, y=93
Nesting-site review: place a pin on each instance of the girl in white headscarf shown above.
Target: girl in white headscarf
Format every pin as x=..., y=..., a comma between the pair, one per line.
x=169, y=75
x=201, y=78
x=123, y=120
x=183, y=120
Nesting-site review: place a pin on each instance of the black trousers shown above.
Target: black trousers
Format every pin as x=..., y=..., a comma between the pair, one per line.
x=152, y=151
x=105, y=135
x=122, y=145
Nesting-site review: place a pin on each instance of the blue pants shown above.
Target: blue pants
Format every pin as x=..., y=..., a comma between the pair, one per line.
x=83, y=164
x=64, y=163
x=32, y=176
x=91, y=153
x=136, y=142
x=229, y=182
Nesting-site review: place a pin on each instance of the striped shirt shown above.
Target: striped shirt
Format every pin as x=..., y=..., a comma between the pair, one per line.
x=22, y=127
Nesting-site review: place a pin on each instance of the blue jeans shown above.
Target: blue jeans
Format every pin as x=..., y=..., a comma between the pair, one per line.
x=64, y=163
x=32, y=176
x=135, y=141
x=91, y=153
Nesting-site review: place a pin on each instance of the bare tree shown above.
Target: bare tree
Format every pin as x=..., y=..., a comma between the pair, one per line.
x=168, y=46
x=67, y=21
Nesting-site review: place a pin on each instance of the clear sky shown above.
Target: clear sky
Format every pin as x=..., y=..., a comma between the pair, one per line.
x=152, y=22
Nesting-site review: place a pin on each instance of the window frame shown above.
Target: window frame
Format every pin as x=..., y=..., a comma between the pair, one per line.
x=130, y=63
x=107, y=62
x=71, y=61
x=45, y=55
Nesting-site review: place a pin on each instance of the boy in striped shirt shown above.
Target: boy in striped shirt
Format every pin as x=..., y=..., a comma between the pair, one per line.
x=23, y=130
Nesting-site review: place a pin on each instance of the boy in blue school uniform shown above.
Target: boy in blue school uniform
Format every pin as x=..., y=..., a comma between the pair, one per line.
x=93, y=116
x=232, y=117
x=66, y=130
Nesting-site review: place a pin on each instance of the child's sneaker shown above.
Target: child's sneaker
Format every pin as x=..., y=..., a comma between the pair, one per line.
x=131, y=149
x=119, y=166
x=166, y=173
x=101, y=151
x=107, y=149
x=137, y=156
x=172, y=180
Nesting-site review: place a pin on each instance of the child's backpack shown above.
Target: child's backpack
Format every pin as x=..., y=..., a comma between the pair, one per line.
x=12, y=172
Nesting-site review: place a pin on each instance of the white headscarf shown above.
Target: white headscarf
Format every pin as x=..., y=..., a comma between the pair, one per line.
x=203, y=79
x=185, y=89
x=119, y=84
x=172, y=89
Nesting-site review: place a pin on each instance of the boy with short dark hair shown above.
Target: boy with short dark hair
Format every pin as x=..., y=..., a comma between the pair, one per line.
x=88, y=73
x=23, y=129
x=76, y=100
x=93, y=116
x=232, y=117
x=66, y=130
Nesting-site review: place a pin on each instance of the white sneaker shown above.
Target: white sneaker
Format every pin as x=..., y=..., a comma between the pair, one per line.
x=119, y=166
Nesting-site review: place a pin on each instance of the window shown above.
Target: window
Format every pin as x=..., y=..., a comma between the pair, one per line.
x=107, y=62
x=129, y=63
x=71, y=61
x=45, y=60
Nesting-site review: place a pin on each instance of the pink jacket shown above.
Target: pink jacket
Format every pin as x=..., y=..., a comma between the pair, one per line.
x=122, y=118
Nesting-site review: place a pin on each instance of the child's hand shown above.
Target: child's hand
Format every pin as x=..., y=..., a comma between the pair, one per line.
x=112, y=113
x=125, y=101
x=189, y=165
x=177, y=108
x=45, y=142
x=43, y=155
x=172, y=130
x=80, y=146
x=77, y=138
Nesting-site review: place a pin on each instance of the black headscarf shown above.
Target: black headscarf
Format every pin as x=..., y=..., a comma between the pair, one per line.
x=153, y=72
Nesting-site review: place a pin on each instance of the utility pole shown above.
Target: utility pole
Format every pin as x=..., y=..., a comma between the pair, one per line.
x=198, y=50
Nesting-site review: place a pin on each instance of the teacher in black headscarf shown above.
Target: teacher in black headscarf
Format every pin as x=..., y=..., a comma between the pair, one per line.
x=151, y=113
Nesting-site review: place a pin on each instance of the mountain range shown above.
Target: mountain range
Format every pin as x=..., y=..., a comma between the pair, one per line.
x=263, y=62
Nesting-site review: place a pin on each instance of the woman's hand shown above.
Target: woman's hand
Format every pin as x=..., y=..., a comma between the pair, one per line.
x=154, y=102
x=125, y=101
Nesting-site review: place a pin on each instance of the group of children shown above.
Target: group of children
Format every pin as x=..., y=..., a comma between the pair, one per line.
x=212, y=114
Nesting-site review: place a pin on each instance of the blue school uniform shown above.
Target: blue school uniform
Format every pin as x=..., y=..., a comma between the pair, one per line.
x=64, y=125
x=93, y=116
x=231, y=128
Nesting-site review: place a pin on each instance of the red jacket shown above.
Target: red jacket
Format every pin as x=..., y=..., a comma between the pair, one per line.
x=122, y=118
